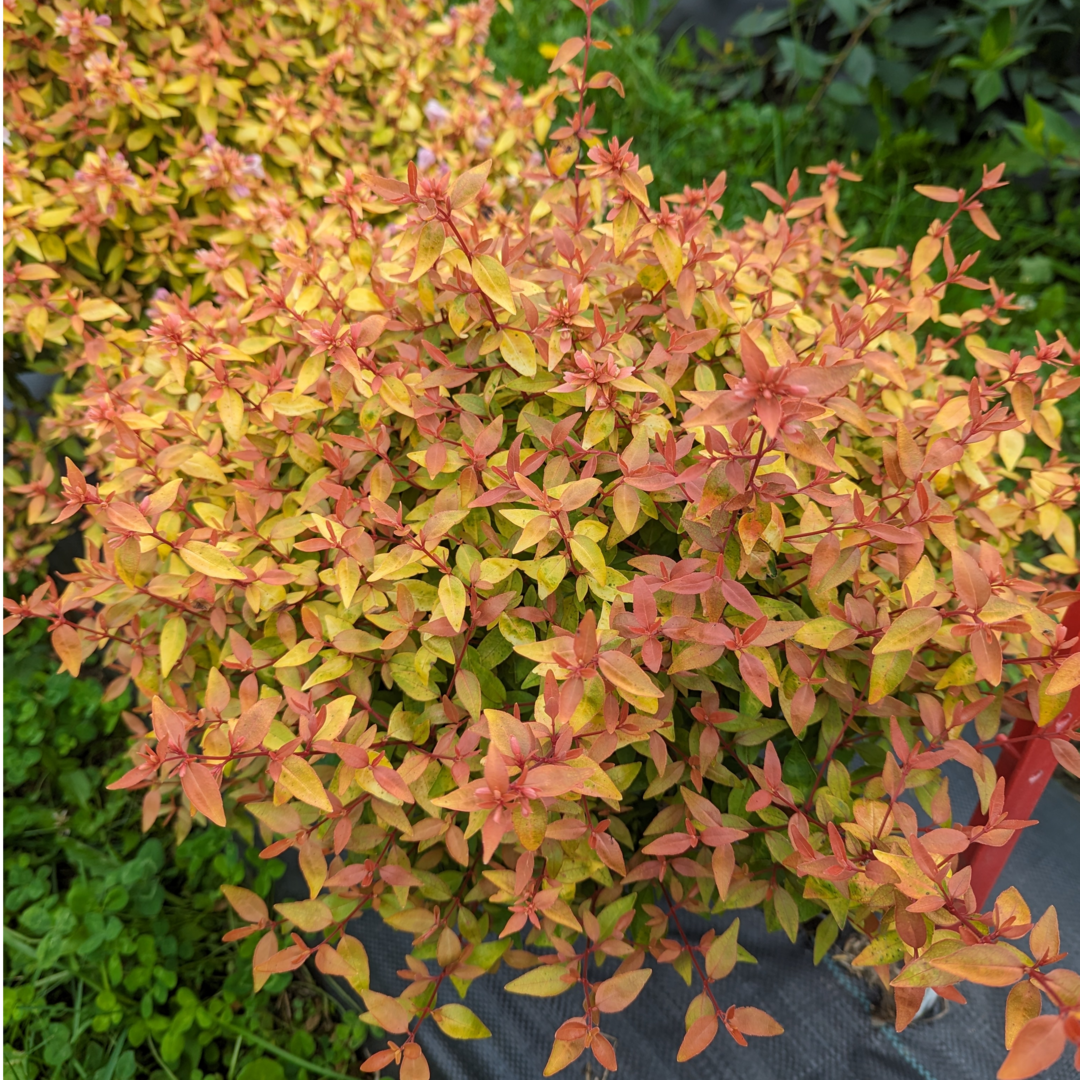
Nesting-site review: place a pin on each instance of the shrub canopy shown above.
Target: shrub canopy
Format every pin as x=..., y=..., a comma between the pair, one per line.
x=544, y=559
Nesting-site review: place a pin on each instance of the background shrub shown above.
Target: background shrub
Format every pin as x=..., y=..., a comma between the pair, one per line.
x=177, y=145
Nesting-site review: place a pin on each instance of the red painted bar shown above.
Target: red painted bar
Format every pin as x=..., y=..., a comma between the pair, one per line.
x=1026, y=767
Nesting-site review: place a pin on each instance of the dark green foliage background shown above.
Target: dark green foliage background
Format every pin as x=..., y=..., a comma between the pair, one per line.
x=114, y=966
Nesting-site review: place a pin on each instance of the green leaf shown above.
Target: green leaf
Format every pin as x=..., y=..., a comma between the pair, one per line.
x=824, y=937
x=787, y=913
x=886, y=948
x=987, y=88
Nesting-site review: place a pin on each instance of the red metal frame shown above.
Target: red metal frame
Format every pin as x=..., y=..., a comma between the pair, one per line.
x=1026, y=765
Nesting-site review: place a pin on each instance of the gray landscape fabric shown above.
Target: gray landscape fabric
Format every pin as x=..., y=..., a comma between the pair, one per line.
x=829, y=1032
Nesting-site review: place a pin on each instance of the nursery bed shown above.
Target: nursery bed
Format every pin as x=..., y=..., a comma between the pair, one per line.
x=830, y=1033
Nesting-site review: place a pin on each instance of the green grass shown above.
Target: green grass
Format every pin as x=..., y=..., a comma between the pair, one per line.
x=113, y=962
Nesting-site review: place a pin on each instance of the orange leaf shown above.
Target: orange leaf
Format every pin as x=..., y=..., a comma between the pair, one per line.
x=1045, y=940
x=987, y=965
x=983, y=223
x=618, y=992
x=264, y=949
x=389, y=1013
x=68, y=646
x=249, y=906
x=286, y=960
x=751, y=1021
x=202, y=789
x=938, y=194
x=698, y=1037
x=908, y=999
x=1038, y=1045
x=567, y=51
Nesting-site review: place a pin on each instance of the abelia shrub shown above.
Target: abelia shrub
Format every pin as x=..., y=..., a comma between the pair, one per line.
x=618, y=567
x=180, y=145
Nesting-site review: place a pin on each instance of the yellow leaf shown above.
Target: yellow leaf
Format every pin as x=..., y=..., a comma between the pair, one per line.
x=877, y=258
x=208, y=560
x=310, y=373
x=363, y=299
x=334, y=668
x=429, y=248
x=308, y=300
x=460, y=1022
x=670, y=255
x=624, y=674
x=201, y=465
x=307, y=915
x=252, y=346
x=926, y=251
x=98, y=309
x=302, y=782
x=1067, y=677
x=627, y=505
x=396, y=394
x=300, y=653
x=348, y=579
x=68, y=646
x=452, y=597
x=234, y=278
x=289, y=404
x=173, y=640
x=590, y=556
x=547, y=980
x=518, y=351
x=625, y=224
x=491, y=276
x=230, y=408
x=469, y=184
